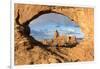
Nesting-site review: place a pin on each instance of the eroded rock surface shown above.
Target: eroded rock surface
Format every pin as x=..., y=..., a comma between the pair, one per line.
x=29, y=51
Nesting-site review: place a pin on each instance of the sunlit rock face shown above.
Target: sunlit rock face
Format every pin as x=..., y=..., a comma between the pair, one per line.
x=45, y=25
x=26, y=52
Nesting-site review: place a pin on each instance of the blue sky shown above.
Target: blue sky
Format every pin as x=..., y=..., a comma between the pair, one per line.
x=45, y=25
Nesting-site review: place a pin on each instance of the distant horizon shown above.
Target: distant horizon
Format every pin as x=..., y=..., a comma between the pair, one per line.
x=45, y=25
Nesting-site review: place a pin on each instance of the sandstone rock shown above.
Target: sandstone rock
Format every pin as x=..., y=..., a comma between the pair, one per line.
x=84, y=51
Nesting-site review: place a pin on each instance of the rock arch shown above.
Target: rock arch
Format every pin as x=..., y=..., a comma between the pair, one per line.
x=84, y=17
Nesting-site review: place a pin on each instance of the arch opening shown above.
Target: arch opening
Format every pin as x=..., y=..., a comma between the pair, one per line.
x=46, y=26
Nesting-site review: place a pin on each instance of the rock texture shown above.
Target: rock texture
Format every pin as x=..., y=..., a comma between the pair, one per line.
x=29, y=51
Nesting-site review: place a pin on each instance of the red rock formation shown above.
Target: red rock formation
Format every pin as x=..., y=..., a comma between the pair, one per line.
x=62, y=40
x=84, y=51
